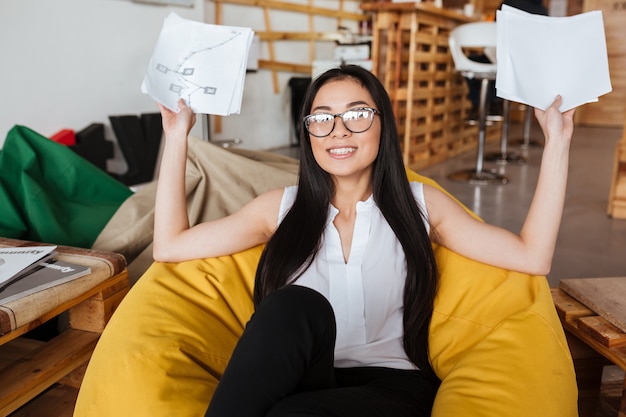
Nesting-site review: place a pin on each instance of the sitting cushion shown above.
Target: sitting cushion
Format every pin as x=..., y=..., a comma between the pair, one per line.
x=495, y=341
x=48, y=193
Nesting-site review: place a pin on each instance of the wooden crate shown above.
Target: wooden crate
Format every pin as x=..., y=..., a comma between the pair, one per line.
x=411, y=58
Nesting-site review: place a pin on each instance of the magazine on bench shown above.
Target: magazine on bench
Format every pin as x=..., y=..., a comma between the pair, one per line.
x=43, y=275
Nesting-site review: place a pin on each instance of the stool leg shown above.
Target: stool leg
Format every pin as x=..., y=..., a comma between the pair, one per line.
x=477, y=176
x=504, y=157
x=482, y=126
x=526, y=142
x=206, y=135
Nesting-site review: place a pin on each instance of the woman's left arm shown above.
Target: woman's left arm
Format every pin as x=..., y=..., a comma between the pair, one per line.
x=532, y=250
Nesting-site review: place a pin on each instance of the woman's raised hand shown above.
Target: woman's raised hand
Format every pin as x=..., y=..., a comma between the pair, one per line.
x=177, y=124
x=555, y=124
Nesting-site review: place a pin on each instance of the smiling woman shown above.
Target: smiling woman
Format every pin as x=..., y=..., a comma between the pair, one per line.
x=346, y=284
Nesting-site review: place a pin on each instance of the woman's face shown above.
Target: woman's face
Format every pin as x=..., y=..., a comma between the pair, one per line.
x=343, y=153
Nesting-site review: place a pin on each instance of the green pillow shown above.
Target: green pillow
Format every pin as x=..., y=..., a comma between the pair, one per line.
x=50, y=194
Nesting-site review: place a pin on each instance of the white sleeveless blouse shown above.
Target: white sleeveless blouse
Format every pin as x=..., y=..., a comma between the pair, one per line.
x=366, y=292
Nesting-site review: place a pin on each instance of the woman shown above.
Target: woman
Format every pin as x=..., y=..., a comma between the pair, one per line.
x=345, y=287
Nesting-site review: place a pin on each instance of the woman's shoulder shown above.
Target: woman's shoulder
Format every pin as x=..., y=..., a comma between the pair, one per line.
x=288, y=198
x=417, y=187
x=291, y=189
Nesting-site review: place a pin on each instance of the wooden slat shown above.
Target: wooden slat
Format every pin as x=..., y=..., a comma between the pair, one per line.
x=285, y=66
x=270, y=45
x=121, y=277
x=602, y=331
x=93, y=314
x=75, y=378
x=217, y=119
x=617, y=355
x=30, y=376
x=298, y=36
x=299, y=8
x=567, y=307
x=16, y=349
x=605, y=296
x=114, y=288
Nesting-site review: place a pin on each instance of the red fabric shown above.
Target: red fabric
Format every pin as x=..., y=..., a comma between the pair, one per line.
x=65, y=137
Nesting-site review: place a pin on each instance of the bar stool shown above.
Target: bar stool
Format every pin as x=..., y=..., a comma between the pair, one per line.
x=476, y=35
x=504, y=157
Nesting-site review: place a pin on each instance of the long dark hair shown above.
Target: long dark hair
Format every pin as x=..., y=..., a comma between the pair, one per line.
x=297, y=240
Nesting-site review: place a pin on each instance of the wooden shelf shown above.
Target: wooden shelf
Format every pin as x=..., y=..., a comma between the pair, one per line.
x=29, y=368
x=33, y=373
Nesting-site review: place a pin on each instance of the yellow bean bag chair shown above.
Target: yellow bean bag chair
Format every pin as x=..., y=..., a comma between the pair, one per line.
x=495, y=342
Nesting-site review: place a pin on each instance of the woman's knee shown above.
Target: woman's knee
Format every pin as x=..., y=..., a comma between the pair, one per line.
x=297, y=305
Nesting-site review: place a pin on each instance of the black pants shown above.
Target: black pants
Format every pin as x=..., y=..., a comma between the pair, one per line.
x=283, y=366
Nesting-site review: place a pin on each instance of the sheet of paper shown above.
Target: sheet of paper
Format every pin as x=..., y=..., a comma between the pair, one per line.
x=539, y=57
x=202, y=63
x=14, y=260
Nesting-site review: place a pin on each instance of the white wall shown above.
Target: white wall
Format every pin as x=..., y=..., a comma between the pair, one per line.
x=70, y=63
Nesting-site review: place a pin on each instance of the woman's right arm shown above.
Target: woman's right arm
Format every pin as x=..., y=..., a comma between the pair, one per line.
x=174, y=239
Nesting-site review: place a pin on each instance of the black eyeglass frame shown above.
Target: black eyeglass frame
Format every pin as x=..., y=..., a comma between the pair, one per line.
x=306, y=118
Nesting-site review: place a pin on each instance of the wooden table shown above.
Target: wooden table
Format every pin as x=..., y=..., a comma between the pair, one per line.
x=29, y=367
x=594, y=343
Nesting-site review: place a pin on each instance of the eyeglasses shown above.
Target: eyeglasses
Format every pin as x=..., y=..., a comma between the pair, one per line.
x=355, y=120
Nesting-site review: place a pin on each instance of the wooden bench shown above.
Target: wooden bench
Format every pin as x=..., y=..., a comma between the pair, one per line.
x=29, y=367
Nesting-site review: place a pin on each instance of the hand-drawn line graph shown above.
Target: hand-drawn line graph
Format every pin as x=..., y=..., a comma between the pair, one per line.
x=191, y=76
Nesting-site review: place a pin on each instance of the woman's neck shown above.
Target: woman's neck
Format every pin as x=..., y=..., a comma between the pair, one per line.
x=348, y=193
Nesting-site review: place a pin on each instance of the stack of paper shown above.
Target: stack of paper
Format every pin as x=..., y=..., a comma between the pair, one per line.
x=203, y=64
x=539, y=57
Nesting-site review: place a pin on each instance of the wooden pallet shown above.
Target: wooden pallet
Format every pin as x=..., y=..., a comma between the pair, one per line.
x=594, y=343
x=411, y=58
x=28, y=369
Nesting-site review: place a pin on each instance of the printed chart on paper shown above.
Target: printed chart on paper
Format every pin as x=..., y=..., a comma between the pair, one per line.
x=201, y=63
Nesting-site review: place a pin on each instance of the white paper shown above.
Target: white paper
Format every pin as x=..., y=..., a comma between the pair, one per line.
x=539, y=57
x=202, y=63
x=15, y=259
